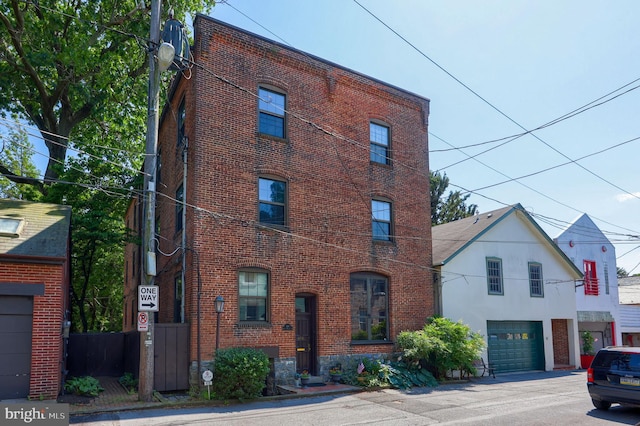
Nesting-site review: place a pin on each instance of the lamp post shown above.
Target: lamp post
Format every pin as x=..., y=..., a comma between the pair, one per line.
x=219, y=302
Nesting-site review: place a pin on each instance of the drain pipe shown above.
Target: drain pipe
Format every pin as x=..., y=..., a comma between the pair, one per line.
x=185, y=143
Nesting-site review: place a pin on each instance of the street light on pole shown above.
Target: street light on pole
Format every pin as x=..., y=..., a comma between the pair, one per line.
x=219, y=302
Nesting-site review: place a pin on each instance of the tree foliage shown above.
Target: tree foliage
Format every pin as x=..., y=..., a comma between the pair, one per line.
x=16, y=155
x=76, y=67
x=78, y=71
x=449, y=208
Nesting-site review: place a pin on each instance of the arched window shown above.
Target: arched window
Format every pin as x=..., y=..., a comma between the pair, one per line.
x=253, y=295
x=369, y=306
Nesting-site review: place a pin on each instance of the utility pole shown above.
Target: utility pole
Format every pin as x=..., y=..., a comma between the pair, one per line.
x=145, y=378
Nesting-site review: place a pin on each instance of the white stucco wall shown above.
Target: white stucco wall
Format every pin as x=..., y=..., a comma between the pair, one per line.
x=581, y=241
x=465, y=293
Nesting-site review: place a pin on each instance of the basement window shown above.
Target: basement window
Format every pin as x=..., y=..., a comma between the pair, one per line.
x=11, y=227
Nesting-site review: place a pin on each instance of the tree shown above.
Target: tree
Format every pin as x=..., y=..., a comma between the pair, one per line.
x=453, y=207
x=78, y=71
x=622, y=273
x=98, y=191
x=64, y=63
x=16, y=153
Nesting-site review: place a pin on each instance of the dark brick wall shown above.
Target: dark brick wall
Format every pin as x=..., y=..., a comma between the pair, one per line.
x=330, y=184
x=48, y=315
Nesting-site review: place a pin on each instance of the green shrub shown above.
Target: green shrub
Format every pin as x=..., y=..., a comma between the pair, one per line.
x=395, y=374
x=240, y=373
x=442, y=345
x=129, y=382
x=85, y=386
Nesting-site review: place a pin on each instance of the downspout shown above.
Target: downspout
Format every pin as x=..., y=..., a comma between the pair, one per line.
x=185, y=142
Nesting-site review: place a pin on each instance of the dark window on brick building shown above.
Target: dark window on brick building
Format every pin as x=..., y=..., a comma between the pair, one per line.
x=271, y=106
x=379, y=140
x=369, y=306
x=253, y=295
x=179, y=207
x=182, y=116
x=272, y=195
x=381, y=220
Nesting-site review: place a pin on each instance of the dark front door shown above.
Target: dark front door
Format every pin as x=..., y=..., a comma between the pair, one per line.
x=305, y=333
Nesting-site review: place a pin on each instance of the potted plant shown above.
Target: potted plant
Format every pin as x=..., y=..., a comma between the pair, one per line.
x=304, y=378
x=587, y=349
x=335, y=374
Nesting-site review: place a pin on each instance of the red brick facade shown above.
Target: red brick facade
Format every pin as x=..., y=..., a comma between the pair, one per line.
x=324, y=161
x=45, y=279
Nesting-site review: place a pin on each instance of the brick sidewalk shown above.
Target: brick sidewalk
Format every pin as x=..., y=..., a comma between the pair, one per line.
x=113, y=398
x=116, y=398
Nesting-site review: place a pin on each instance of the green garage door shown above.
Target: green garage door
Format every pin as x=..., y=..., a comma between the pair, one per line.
x=515, y=345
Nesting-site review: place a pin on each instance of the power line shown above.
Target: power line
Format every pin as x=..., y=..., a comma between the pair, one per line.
x=566, y=116
x=492, y=106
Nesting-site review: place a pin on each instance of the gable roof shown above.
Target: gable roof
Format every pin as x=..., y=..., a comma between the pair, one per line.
x=44, y=229
x=584, y=226
x=451, y=238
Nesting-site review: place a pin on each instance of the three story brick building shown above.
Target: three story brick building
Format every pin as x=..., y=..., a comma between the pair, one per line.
x=297, y=190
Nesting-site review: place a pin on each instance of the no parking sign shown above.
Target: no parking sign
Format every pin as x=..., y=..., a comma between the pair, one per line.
x=143, y=321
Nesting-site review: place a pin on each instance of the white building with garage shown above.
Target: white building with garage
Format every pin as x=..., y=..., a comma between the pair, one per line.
x=502, y=275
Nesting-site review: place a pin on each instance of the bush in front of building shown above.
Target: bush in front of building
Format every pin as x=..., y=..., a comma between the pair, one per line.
x=442, y=346
x=85, y=386
x=240, y=373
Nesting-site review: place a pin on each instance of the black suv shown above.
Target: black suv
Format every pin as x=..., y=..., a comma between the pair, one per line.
x=614, y=376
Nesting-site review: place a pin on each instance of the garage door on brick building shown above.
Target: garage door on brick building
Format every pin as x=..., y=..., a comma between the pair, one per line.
x=16, y=319
x=515, y=345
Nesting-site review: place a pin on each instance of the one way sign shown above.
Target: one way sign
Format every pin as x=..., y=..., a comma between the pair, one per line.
x=148, y=298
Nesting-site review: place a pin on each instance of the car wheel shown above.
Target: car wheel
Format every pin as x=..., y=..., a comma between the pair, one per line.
x=601, y=405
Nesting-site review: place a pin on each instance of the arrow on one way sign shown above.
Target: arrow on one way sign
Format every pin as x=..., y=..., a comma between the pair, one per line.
x=148, y=298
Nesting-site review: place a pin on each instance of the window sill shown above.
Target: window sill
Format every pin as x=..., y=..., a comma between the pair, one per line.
x=253, y=324
x=271, y=137
x=384, y=242
x=274, y=227
x=375, y=163
x=371, y=342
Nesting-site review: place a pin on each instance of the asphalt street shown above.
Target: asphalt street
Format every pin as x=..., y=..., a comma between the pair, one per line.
x=535, y=398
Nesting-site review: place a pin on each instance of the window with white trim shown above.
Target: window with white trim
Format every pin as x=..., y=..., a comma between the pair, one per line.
x=253, y=293
x=271, y=116
x=272, y=201
x=379, y=143
x=381, y=220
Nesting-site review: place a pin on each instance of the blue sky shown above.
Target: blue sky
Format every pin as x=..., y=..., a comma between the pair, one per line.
x=534, y=61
